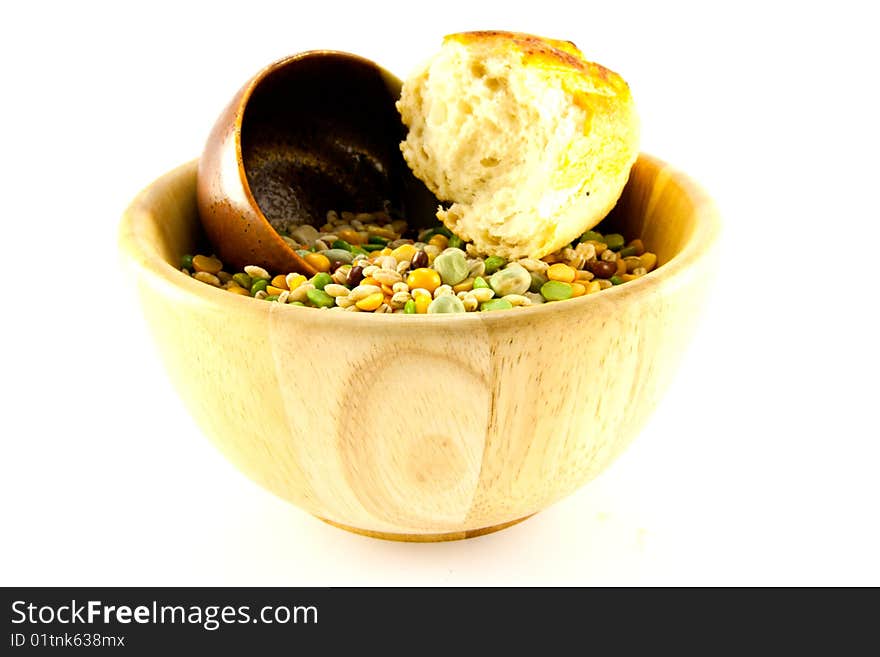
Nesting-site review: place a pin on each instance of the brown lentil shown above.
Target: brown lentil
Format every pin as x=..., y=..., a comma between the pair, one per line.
x=602, y=268
x=420, y=259
x=355, y=276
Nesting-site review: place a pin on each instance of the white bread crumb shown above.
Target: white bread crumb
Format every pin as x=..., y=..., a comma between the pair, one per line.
x=530, y=143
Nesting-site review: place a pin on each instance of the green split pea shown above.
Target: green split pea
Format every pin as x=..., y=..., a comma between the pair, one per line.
x=321, y=280
x=556, y=291
x=320, y=298
x=496, y=304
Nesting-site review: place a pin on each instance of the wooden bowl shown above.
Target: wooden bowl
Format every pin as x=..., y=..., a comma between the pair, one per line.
x=426, y=427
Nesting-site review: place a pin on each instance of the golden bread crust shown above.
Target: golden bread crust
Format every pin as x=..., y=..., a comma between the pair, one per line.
x=581, y=77
x=574, y=134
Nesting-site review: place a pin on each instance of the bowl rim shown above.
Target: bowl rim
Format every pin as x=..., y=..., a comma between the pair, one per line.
x=140, y=252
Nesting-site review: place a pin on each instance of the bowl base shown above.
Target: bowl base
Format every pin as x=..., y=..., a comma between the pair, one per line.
x=427, y=538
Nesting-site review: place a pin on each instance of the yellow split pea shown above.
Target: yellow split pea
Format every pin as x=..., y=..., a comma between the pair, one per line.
x=371, y=302
x=561, y=272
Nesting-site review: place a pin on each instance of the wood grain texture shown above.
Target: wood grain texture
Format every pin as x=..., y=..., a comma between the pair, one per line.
x=426, y=426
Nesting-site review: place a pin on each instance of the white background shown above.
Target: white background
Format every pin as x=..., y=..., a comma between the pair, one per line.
x=759, y=467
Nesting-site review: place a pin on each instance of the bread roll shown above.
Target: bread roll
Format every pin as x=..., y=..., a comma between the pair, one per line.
x=529, y=142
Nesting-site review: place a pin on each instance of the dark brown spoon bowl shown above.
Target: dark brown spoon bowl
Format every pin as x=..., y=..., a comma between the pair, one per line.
x=314, y=132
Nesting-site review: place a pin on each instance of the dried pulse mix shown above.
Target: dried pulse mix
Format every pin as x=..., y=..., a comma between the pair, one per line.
x=365, y=264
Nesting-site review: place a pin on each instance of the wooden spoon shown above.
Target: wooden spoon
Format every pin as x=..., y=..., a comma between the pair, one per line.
x=314, y=132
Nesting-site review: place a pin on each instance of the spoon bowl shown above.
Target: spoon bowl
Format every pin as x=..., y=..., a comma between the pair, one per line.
x=313, y=132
